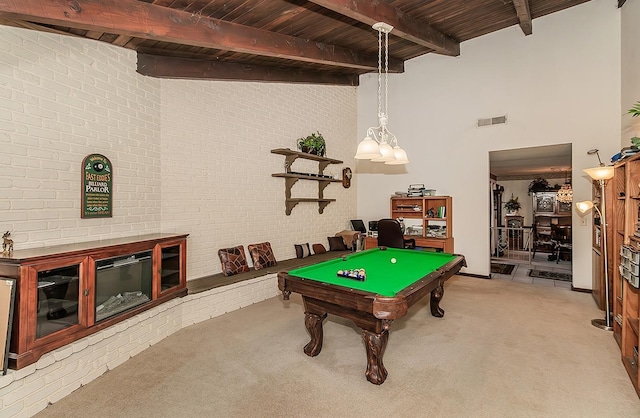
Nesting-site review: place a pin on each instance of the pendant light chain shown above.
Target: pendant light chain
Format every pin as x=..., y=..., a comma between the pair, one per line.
x=379, y=74
x=386, y=73
x=380, y=145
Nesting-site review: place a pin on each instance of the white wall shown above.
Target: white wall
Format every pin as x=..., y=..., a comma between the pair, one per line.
x=189, y=156
x=217, y=165
x=559, y=85
x=630, y=69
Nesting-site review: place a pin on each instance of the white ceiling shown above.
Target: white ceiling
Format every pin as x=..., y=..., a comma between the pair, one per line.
x=552, y=161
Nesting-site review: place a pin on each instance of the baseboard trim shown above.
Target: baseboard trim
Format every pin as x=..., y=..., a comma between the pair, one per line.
x=579, y=289
x=479, y=276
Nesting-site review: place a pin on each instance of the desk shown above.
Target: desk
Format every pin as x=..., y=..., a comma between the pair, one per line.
x=389, y=290
x=442, y=244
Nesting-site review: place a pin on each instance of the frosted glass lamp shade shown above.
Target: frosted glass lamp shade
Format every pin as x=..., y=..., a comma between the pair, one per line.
x=401, y=157
x=386, y=152
x=600, y=173
x=583, y=207
x=367, y=149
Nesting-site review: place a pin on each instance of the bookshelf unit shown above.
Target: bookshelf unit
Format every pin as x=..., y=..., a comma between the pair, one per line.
x=625, y=261
x=435, y=228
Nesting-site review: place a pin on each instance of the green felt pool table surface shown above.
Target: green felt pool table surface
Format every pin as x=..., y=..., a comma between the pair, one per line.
x=383, y=277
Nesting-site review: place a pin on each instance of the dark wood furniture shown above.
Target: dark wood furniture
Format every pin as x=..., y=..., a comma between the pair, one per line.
x=59, y=300
x=515, y=233
x=550, y=217
x=369, y=303
x=390, y=235
x=292, y=177
x=624, y=261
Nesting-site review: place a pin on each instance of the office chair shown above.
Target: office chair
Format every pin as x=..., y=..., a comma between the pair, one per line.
x=390, y=235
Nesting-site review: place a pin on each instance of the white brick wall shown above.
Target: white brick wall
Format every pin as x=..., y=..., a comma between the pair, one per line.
x=189, y=156
x=65, y=99
x=27, y=391
x=217, y=165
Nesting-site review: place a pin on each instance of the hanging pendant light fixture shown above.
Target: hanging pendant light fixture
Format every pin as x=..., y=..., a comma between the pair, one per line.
x=380, y=145
x=565, y=193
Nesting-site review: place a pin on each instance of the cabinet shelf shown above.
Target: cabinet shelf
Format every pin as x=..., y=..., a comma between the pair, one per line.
x=633, y=322
x=292, y=177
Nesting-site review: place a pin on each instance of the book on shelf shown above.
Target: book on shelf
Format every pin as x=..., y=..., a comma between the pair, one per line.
x=441, y=212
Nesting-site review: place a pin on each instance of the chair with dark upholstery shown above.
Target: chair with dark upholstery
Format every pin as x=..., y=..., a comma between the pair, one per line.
x=390, y=235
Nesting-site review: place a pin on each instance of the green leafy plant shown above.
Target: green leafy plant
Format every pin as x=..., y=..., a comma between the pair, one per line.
x=313, y=144
x=538, y=185
x=635, y=110
x=512, y=204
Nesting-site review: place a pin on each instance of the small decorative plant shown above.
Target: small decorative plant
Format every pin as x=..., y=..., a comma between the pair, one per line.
x=635, y=110
x=512, y=204
x=313, y=144
x=538, y=185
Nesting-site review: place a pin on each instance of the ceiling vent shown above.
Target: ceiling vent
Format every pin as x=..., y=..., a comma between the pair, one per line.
x=498, y=120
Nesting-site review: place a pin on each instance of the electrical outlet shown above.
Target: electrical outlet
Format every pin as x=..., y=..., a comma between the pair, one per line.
x=583, y=221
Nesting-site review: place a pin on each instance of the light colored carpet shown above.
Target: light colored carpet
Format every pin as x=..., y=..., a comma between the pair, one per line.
x=503, y=349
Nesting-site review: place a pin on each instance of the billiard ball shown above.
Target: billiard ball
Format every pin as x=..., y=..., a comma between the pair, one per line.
x=393, y=261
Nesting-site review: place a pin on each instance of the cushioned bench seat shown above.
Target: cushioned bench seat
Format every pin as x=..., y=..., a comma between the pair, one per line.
x=217, y=280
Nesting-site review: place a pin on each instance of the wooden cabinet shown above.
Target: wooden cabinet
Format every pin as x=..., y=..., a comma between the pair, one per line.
x=514, y=233
x=623, y=216
x=428, y=220
x=551, y=221
x=66, y=292
x=291, y=177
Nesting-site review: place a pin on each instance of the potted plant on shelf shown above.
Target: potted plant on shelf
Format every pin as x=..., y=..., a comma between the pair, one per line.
x=538, y=185
x=313, y=144
x=512, y=206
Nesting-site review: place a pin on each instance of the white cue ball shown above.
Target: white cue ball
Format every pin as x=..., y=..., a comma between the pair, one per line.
x=393, y=261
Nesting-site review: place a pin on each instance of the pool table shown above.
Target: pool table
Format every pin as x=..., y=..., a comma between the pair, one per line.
x=395, y=280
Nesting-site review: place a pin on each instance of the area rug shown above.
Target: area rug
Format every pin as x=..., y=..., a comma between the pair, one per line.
x=565, y=277
x=499, y=268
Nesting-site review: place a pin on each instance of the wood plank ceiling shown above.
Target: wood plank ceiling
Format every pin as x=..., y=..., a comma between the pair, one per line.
x=299, y=41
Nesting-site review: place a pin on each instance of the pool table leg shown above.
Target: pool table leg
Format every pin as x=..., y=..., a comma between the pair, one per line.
x=436, y=297
x=375, y=344
x=313, y=323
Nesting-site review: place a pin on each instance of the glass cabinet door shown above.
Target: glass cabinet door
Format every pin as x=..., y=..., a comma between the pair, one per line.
x=57, y=300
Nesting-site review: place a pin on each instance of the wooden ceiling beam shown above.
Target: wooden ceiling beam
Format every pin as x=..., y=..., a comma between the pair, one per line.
x=524, y=16
x=195, y=69
x=370, y=12
x=133, y=18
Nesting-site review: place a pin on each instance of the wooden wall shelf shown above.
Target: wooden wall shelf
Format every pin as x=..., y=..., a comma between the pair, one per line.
x=292, y=177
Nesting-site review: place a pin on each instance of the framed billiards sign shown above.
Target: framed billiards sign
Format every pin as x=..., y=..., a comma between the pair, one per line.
x=97, y=187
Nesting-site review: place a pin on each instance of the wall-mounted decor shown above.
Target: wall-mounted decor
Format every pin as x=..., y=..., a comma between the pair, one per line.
x=347, y=174
x=97, y=187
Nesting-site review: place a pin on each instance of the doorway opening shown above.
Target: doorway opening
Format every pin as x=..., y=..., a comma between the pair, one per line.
x=533, y=232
